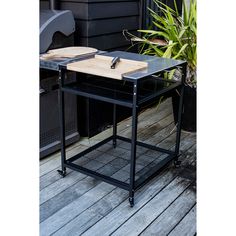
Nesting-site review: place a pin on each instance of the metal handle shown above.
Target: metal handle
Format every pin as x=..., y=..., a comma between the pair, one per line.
x=42, y=91
x=114, y=61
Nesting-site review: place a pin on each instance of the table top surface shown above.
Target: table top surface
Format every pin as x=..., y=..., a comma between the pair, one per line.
x=155, y=64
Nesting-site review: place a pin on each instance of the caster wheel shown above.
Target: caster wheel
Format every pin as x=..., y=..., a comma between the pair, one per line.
x=131, y=201
x=177, y=164
x=62, y=173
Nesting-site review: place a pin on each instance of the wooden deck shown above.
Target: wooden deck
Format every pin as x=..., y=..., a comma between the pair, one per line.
x=81, y=205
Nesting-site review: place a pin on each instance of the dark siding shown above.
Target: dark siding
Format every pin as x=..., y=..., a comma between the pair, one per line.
x=99, y=23
x=44, y=5
x=102, y=10
x=107, y=26
x=106, y=42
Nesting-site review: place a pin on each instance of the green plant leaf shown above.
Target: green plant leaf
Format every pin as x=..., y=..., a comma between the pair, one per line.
x=180, y=51
x=185, y=12
x=151, y=32
x=179, y=31
x=160, y=26
x=157, y=50
x=168, y=51
x=171, y=73
x=163, y=7
x=176, y=8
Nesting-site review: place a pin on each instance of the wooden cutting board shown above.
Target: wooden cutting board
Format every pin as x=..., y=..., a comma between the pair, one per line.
x=100, y=65
x=68, y=52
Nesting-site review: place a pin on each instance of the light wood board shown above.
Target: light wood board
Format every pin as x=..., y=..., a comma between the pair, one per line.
x=101, y=66
x=68, y=52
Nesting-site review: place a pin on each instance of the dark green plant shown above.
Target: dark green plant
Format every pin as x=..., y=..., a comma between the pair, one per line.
x=175, y=37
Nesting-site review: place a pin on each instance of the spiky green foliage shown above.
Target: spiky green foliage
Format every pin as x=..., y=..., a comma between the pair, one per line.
x=179, y=32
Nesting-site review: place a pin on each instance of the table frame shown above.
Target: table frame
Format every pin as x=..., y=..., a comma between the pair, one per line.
x=133, y=185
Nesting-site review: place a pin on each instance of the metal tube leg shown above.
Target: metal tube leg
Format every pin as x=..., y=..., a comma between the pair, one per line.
x=179, y=122
x=62, y=172
x=114, y=126
x=133, y=145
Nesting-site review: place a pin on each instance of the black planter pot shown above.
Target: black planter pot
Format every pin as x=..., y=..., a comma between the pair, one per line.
x=189, y=114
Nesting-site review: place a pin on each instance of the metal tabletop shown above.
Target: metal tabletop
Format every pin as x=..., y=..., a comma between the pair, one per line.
x=155, y=64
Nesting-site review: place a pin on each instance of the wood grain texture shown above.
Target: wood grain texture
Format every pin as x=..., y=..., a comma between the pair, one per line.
x=85, y=206
x=101, y=66
x=108, y=204
x=166, y=221
x=110, y=223
x=123, y=212
x=55, y=163
x=187, y=227
x=68, y=52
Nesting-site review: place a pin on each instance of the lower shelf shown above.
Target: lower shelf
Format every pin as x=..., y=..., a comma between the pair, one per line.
x=152, y=170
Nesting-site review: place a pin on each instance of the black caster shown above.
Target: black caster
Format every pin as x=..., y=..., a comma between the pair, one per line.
x=62, y=173
x=114, y=144
x=177, y=164
x=131, y=201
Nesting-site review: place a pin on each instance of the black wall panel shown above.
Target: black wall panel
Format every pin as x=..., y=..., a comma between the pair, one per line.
x=99, y=23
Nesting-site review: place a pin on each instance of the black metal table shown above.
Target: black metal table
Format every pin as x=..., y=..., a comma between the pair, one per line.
x=134, y=99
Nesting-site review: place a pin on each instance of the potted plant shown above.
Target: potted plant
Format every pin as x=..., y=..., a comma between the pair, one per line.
x=175, y=37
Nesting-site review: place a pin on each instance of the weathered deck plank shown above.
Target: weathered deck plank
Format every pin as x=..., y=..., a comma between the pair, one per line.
x=187, y=227
x=64, y=183
x=72, y=193
x=155, y=207
x=56, y=161
x=167, y=220
x=72, y=182
x=117, y=217
x=97, y=211
x=81, y=205
x=70, y=211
